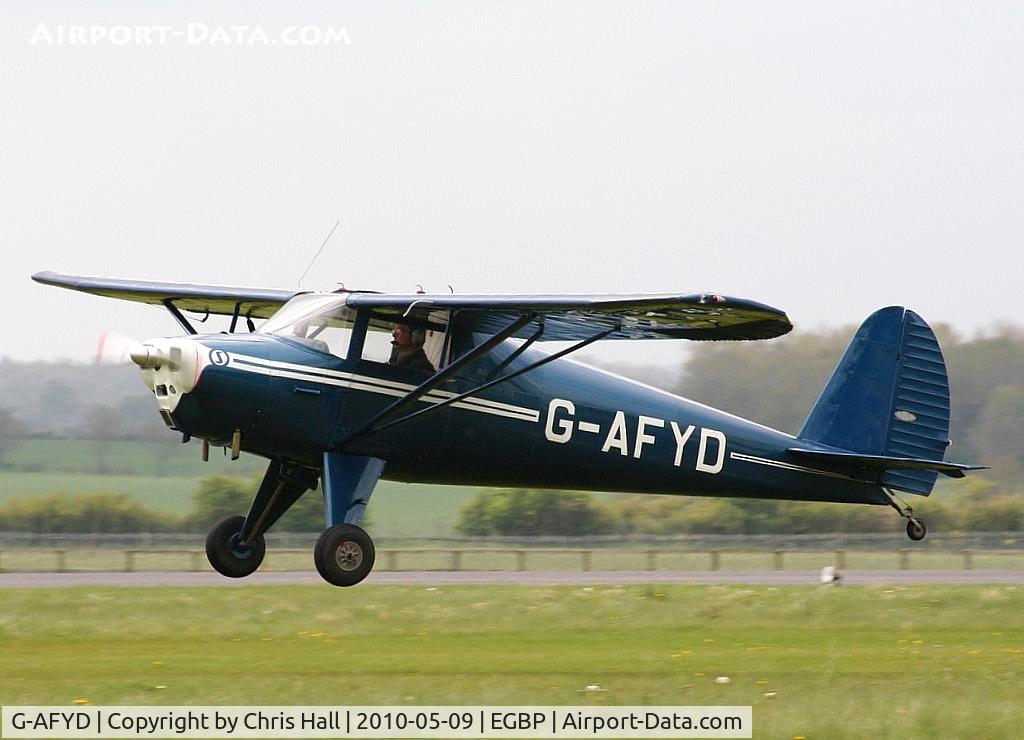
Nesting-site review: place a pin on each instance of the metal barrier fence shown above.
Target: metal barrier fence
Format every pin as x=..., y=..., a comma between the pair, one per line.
x=27, y=552
x=894, y=540
x=42, y=559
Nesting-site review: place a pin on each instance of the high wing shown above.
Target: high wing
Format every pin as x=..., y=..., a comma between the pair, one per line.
x=564, y=317
x=256, y=303
x=575, y=317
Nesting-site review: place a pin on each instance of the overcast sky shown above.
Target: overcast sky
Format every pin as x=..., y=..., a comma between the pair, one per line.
x=824, y=158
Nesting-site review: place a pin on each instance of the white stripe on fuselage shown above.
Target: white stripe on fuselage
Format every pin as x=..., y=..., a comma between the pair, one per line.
x=786, y=466
x=370, y=384
x=404, y=387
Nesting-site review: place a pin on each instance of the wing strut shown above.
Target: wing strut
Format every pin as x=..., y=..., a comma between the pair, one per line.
x=492, y=383
x=385, y=420
x=522, y=348
x=178, y=316
x=376, y=421
x=234, y=317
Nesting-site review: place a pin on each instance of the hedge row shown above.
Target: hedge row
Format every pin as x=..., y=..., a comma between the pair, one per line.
x=114, y=513
x=976, y=505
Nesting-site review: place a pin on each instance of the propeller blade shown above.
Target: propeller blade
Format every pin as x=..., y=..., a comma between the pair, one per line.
x=115, y=349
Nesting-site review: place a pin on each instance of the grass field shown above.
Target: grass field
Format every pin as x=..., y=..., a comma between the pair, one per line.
x=396, y=509
x=923, y=661
x=151, y=459
x=43, y=467
x=171, y=494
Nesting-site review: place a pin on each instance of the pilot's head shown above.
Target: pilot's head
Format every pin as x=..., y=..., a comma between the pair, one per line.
x=405, y=337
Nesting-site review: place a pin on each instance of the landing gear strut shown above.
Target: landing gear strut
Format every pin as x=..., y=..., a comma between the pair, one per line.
x=916, y=528
x=235, y=544
x=344, y=555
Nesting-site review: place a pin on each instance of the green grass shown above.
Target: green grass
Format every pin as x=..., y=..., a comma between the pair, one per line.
x=408, y=509
x=922, y=661
x=152, y=459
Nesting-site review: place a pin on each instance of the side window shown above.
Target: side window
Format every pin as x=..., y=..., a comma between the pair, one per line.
x=377, y=346
x=435, y=341
x=415, y=344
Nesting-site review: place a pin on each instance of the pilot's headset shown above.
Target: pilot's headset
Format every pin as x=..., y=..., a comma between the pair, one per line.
x=419, y=336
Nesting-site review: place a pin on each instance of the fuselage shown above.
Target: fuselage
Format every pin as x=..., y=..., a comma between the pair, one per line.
x=564, y=425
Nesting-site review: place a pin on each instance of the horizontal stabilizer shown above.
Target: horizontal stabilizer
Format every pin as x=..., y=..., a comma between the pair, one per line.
x=853, y=460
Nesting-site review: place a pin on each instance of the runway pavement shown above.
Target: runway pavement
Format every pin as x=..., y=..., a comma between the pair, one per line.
x=514, y=578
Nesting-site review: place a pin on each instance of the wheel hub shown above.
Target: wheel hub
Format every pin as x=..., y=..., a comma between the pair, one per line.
x=237, y=548
x=349, y=556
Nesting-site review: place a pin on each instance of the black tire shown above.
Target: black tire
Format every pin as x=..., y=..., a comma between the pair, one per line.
x=344, y=555
x=916, y=529
x=224, y=554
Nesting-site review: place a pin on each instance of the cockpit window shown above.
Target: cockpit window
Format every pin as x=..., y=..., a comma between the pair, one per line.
x=321, y=322
x=324, y=322
x=415, y=342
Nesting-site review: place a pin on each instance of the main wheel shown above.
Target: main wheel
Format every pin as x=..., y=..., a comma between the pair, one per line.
x=916, y=529
x=344, y=555
x=226, y=555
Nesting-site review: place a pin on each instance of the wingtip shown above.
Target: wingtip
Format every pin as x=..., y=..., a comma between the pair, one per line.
x=46, y=277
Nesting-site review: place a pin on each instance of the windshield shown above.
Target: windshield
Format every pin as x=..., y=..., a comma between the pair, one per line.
x=321, y=322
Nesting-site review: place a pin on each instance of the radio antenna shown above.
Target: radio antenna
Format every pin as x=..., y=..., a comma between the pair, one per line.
x=315, y=256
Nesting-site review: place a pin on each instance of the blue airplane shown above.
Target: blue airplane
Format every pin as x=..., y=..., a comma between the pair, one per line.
x=340, y=389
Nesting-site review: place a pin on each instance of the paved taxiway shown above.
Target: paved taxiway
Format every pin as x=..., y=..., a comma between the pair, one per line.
x=511, y=578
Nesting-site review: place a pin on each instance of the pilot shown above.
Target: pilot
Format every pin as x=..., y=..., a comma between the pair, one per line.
x=408, y=349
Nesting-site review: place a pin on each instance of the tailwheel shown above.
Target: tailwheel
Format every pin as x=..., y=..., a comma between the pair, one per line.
x=344, y=555
x=916, y=528
x=226, y=553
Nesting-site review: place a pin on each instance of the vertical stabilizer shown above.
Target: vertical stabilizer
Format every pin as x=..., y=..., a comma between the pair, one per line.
x=888, y=396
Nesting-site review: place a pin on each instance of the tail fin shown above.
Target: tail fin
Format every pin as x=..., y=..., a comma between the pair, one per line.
x=888, y=398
